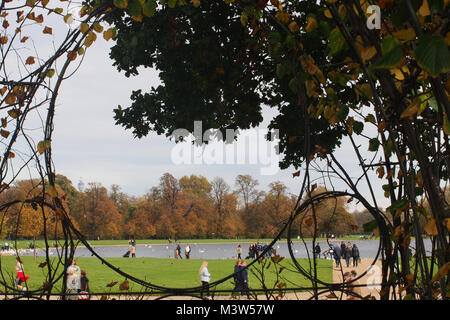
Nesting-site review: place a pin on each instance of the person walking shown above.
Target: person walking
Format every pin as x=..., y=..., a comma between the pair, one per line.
x=337, y=255
x=187, y=251
x=343, y=246
x=244, y=279
x=355, y=255
x=205, y=277
x=76, y=269
x=133, y=251
x=178, y=252
x=239, y=252
x=83, y=292
x=317, y=250
x=237, y=280
x=20, y=276
x=348, y=254
x=72, y=284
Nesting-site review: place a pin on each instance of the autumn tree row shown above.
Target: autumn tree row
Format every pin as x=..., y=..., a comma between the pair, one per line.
x=189, y=207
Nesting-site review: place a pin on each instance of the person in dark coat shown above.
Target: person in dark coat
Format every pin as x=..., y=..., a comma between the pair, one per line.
x=237, y=281
x=355, y=255
x=84, y=286
x=348, y=254
x=317, y=251
x=343, y=246
x=243, y=276
x=337, y=255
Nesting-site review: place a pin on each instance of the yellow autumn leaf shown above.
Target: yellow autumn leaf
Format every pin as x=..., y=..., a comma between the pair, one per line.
x=68, y=18
x=10, y=98
x=398, y=231
x=441, y=273
x=424, y=10
x=399, y=73
x=311, y=24
x=380, y=172
x=293, y=26
x=412, y=109
x=431, y=228
x=84, y=27
x=43, y=145
x=405, y=34
x=447, y=223
x=196, y=3
x=368, y=53
x=98, y=27
x=328, y=14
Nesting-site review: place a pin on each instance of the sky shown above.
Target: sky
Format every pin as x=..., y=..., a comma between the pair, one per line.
x=88, y=146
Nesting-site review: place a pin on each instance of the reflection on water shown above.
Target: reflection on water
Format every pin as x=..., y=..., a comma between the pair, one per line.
x=367, y=249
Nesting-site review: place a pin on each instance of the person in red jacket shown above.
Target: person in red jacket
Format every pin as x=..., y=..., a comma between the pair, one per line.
x=20, y=277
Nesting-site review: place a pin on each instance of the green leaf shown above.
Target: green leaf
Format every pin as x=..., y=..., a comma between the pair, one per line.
x=432, y=54
x=358, y=127
x=121, y=4
x=342, y=112
x=374, y=144
x=336, y=42
x=370, y=226
x=134, y=8
x=293, y=85
x=446, y=125
x=149, y=8
x=398, y=205
x=392, y=54
x=244, y=19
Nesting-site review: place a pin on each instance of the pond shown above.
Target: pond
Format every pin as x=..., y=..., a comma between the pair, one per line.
x=367, y=249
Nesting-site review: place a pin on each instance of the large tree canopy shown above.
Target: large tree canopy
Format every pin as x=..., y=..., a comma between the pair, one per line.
x=215, y=69
x=332, y=69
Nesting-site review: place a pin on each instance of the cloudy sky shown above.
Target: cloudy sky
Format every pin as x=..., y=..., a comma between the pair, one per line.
x=87, y=145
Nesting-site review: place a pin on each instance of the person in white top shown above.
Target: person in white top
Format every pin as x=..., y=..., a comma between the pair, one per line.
x=187, y=251
x=205, y=277
x=73, y=280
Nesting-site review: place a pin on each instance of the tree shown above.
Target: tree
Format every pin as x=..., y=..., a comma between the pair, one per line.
x=228, y=222
x=246, y=189
x=169, y=188
x=97, y=215
x=332, y=75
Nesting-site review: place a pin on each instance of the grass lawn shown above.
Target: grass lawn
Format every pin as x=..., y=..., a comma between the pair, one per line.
x=171, y=273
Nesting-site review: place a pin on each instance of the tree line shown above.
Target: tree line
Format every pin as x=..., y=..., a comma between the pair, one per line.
x=189, y=207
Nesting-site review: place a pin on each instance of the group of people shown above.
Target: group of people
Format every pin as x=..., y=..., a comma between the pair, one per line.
x=187, y=251
x=77, y=283
x=256, y=249
x=6, y=247
x=343, y=251
x=240, y=279
x=131, y=249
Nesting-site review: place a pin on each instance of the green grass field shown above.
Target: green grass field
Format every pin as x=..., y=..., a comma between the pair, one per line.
x=171, y=273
